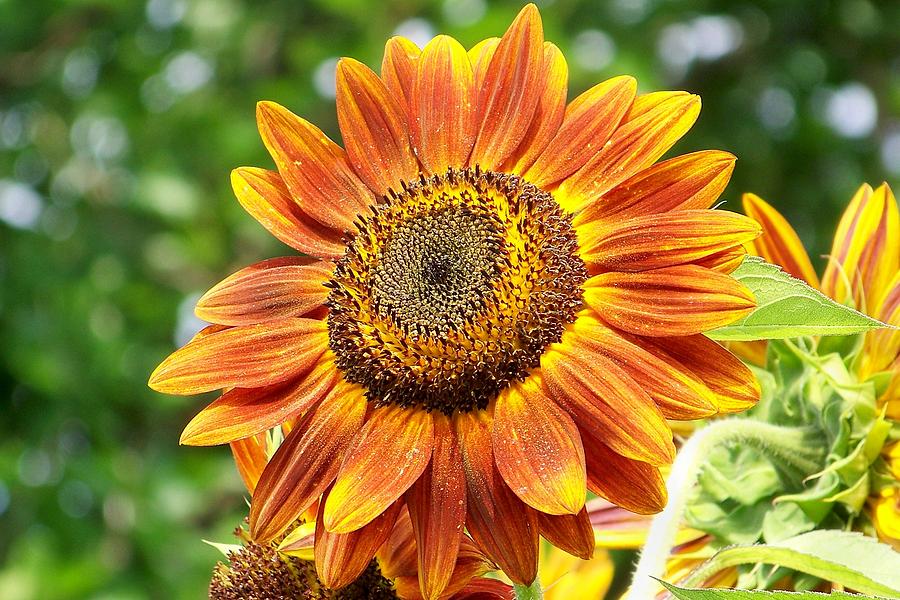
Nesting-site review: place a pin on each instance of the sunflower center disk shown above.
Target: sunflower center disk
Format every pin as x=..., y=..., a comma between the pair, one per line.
x=452, y=288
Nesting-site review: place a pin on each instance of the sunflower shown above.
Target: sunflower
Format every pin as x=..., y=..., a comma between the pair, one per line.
x=863, y=270
x=501, y=303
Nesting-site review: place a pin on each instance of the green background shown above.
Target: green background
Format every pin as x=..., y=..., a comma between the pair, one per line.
x=119, y=124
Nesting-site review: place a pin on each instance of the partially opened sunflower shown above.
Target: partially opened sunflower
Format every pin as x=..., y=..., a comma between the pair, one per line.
x=501, y=304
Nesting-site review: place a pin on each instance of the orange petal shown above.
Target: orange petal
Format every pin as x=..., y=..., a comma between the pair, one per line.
x=437, y=508
x=509, y=95
x=865, y=249
x=589, y=121
x=664, y=240
x=314, y=168
x=389, y=455
x=882, y=346
x=306, y=462
x=270, y=290
x=485, y=589
x=779, y=243
x=263, y=194
x=734, y=385
x=397, y=556
x=691, y=181
x=250, y=459
x=724, y=261
x=677, y=392
x=537, y=449
x=653, y=124
x=374, y=128
x=342, y=557
x=244, y=412
x=680, y=300
x=442, y=109
x=480, y=56
x=398, y=69
x=572, y=533
x=601, y=397
x=501, y=524
x=631, y=484
x=250, y=356
x=549, y=113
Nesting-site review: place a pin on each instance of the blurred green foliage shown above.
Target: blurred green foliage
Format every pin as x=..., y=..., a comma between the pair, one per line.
x=119, y=123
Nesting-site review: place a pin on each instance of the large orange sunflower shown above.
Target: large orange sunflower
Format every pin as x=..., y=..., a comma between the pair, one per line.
x=505, y=303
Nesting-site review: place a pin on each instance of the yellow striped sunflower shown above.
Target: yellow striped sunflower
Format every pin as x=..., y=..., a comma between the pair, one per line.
x=502, y=302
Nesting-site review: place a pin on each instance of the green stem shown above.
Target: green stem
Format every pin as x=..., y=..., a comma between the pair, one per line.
x=790, y=445
x=529, y=592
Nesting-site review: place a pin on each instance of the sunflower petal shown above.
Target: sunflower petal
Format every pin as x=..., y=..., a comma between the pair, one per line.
x=263, y=194
x=245, y=412
x=250, y=356
x=342, y=557
x=538, y=451
x=374, y=128
x=663, y=240
x=443, y=119
x=549, y=113
x=678, y=393
x=600, y=396
x=653, y=124
x=480, y=56
x=690, y=181
x=501, y=524
x=437, y=508
x=398, y=69
x=250, y=459
x=270, y=290
x=679, y=300
x=509, y=95
x=589, y=121
x=572, y=533
x=306, y=462
x=313, y=167
x=779, y=244
x=882, y=346
x=631, y=484
x=389, y=455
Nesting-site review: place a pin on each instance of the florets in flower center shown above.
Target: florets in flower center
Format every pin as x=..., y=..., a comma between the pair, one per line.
x=452, y=288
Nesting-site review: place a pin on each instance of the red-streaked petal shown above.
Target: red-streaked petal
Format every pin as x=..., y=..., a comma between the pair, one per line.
x=244, y=412
x=690, y=181
x=397, y=556
x=387, y=457
x=663, y=240
x=250, y=459
x=724, y=261
x=313, y=167
x=437, y=508
x=250, y=356
x=480, y=56
x=882, y=346
x=442, y=110
x=374, y=128
x=680, y=300
x=485, y=589
x=342, y=557
x=270, y=290
x=306, y=462
x=264, y=195
x=572, y=533
x=601, y=397
x=864, y=253
x=537, y=449
x=733, y=384
x=653, y=124
x=549, y=113
x=631, y=484
x=590, y=120
x=509, y=95
x=679, y=394
x=501, y=524
x=779, y=244
x=398, y=69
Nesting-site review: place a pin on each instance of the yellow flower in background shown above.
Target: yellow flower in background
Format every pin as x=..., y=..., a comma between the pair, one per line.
x=504, y=303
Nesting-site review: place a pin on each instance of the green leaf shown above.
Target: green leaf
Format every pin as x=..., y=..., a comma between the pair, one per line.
x=529, y=592
x=787, y=307
x=851, y=559
x=700, y=594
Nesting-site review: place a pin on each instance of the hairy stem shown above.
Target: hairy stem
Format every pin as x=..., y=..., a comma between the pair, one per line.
x=529, y=592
